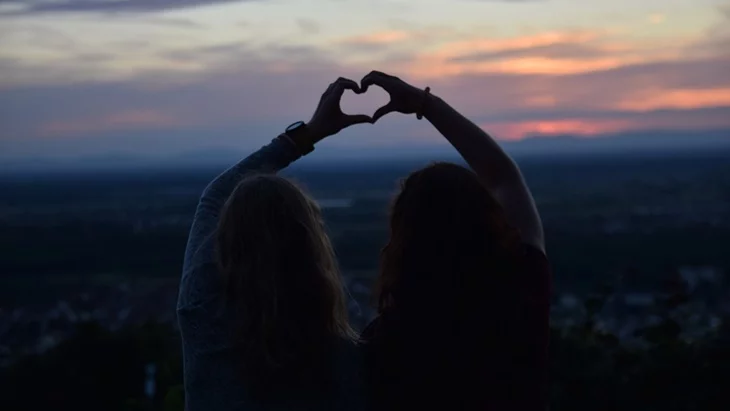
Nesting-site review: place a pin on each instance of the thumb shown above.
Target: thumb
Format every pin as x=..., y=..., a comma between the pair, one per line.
x=388, y=108
x=358, y=119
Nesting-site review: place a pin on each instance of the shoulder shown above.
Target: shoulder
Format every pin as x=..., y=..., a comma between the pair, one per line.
x=201, y=285
x=533, y=261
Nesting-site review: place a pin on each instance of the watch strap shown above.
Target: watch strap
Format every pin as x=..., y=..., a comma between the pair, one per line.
x=296, y=135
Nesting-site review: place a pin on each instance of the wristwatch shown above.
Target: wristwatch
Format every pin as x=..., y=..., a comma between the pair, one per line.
x=298, y=134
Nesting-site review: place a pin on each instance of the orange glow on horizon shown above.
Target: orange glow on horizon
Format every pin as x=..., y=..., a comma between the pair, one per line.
x=520, y=130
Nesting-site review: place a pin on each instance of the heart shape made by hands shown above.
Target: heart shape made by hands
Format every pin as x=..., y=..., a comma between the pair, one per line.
x=366, y=103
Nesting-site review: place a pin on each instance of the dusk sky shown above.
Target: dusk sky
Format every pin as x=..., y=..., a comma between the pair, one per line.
x=163, y=77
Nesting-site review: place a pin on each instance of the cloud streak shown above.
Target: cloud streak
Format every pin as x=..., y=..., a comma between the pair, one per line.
x=82, y=6
x=549, y=53
x=224, y=89
x=546, y=51
x=251, y=87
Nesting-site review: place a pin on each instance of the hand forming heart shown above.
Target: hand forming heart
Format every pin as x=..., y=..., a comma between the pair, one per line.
x=328, y=118
x=365, y=102
x=404, y=98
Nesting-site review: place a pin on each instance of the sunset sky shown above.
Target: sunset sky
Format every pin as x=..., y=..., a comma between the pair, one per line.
x=163, y=77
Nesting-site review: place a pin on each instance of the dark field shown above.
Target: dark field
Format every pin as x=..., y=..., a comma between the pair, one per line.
x=603, y=217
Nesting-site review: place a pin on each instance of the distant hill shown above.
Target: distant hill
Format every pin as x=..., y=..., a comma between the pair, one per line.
x=657, y=142
x=638, y=142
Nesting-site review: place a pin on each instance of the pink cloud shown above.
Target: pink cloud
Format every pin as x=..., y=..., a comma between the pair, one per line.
x=646, y=100
x=575, y=82
x=578, y=127
x=589, y=126
x=379, y=37
x=548, y=53
x=144, y=119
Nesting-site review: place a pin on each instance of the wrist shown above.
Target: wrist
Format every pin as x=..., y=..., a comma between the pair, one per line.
x=312, y=133
x=303, y=141
x=302, y=136
x=430, y=103
x=422, y=104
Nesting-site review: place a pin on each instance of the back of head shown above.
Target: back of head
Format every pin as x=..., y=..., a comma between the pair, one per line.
x=282, y=280
x=443, y=272
x=447, y=233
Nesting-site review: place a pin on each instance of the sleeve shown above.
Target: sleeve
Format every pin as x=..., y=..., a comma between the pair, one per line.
x=209, y=344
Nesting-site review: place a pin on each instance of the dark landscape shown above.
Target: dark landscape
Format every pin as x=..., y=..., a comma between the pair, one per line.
x=101, y=253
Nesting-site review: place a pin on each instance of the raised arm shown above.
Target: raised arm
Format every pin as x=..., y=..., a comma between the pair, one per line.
x=211, y=374
x=498, y=171
x=298, y=140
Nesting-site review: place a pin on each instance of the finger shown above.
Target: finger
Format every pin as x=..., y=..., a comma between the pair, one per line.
x=352, y=119
x=388, y=108
x=374, y=77
x=329, y=89
x=343, y=84
x=349, y=84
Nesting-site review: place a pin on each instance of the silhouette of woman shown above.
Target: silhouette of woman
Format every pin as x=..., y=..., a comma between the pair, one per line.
x=261, y=309
x=463, y=291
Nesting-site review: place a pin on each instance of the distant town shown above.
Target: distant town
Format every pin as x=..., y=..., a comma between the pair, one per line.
x=641, y=240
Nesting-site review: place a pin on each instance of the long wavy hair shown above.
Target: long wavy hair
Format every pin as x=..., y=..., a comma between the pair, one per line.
x=449, y=260
x=282, y=278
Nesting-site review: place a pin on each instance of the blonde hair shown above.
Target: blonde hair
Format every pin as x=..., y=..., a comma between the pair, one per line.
x=281, y=276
